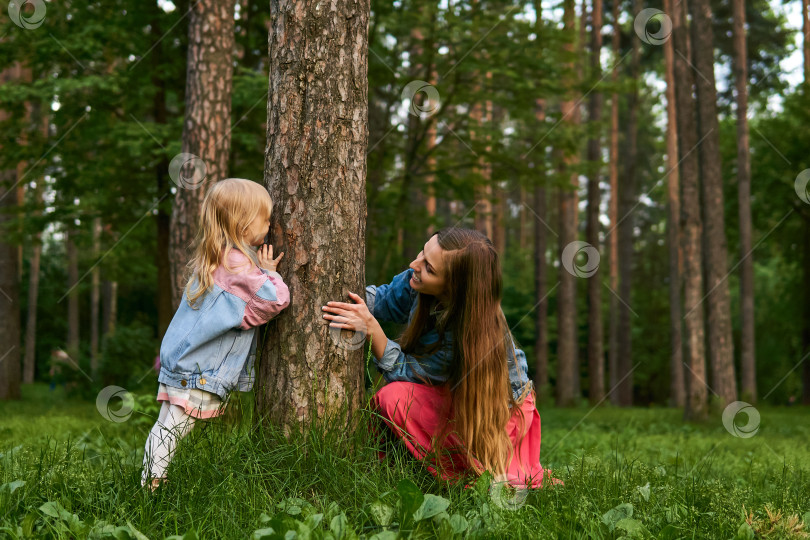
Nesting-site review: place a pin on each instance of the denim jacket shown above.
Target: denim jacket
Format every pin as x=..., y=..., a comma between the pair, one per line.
x=212, y=346
x=396, y=302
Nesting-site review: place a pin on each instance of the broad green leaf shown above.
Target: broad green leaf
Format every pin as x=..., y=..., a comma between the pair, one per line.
x=431, y=506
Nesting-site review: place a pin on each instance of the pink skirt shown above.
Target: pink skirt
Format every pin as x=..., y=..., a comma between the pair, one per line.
x=417, y=412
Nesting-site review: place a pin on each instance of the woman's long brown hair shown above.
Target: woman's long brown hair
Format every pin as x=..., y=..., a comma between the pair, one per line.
x=479, y=376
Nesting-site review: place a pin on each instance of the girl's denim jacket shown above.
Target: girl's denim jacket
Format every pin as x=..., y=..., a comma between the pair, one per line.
x=396, y=302
x=212, y=346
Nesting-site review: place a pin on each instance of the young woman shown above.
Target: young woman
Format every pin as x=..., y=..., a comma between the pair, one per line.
x=457, y=389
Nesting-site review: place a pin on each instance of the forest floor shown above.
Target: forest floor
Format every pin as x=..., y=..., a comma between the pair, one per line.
x=67, y=472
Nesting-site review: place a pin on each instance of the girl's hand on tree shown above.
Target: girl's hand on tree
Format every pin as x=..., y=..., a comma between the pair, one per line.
x=265, y=256
x=355, y=316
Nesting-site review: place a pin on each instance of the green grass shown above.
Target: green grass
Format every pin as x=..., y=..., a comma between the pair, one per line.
x=67, y=472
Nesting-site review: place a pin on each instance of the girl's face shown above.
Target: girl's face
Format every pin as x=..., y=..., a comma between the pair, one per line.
x=257, y=230
x=428, y=269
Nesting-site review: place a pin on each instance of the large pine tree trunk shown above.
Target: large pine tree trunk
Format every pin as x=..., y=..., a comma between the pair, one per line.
x=613, y=217
x=207, y=124
x=315, y=168
x=721, y=345
x=691, y=223
x=567, y=349
x=747, y=359
x=596, y=360
x=677, y=390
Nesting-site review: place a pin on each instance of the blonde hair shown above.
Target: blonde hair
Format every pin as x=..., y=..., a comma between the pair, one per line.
x=229, y=207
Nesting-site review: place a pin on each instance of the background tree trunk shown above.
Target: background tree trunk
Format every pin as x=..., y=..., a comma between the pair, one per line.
x=627, y=203
x=677, y=389
x=596, y=357
x=721, y=345
x=613, y=216
x=567, y=357
x=691, y=223
x=207, y=124
x=748, y=379
x=95, y=298
x=315, y=168
x=9, y=295
x=73, y=295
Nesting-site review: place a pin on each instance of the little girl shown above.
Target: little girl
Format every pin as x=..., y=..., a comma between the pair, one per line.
x=210, y=345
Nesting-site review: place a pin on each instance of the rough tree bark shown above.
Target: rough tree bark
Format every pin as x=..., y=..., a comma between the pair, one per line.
x=721, y=345
x=207, y=124
x=691, y=223
x=677, y=390
x=748, y=381
x=315, y=168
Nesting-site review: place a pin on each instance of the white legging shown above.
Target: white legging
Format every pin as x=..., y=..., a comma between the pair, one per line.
x=172, y=425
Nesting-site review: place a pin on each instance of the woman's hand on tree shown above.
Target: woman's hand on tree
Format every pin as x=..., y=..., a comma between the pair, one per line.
x=355, y=316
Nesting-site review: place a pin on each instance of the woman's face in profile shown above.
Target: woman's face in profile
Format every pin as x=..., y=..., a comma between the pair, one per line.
x=428, y=269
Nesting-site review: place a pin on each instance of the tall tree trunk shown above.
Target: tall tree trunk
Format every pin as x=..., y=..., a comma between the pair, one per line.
x=162, y=219
x=721, y=345
x=691, y=223
x=677, y=390
x=206, y=127
x=30, y=360
x=73, y=295
x=747, y=351
x=499, y=191
x=627, y=202
x=540, y=238
x=613, y=216
x=9, y=277
x=315, y=169
x=95, y=296
x=596, y=355
x=567, y=349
